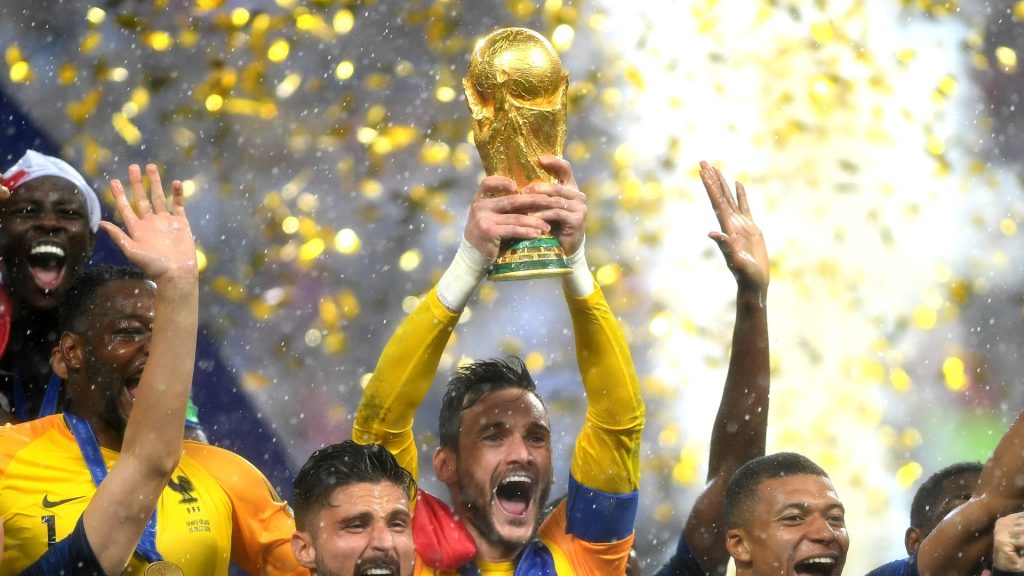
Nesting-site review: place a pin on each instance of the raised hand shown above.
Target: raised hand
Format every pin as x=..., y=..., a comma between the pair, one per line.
x=571, y=212
x=499, y=213
x=740, y=239
x=158, y=239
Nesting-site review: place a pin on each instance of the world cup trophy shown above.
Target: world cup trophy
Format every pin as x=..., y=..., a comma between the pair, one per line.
x=516, y=90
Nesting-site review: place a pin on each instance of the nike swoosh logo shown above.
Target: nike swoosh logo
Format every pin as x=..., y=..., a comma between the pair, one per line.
x=47, y=503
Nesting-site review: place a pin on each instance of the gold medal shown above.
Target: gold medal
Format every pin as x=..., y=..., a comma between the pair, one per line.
x=163, y=568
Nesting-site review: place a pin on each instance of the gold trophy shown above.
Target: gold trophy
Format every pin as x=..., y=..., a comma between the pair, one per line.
x=516, y=90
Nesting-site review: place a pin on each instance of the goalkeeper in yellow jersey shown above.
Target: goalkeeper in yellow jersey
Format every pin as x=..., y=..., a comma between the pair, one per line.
x=495, y=434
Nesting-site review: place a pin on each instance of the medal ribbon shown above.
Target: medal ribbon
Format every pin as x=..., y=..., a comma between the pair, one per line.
x=49, y=405
x=90, y=450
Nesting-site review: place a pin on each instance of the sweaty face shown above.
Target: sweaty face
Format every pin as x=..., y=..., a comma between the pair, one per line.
x=115, y=347
x=45, y=240
x=504, y=467
x=797, y=528
x=366, y=531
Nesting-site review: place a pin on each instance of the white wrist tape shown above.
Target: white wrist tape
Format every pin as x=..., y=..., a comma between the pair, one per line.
x=580, y=283
x=460, y=280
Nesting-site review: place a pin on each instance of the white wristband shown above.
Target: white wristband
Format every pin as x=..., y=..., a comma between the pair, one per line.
x=460, y=280
x=580, y=283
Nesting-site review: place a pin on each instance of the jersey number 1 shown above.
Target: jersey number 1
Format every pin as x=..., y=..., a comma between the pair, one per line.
x=51, y=529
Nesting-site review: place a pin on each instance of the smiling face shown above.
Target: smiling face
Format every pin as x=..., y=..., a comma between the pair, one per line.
x=104, y=362
x=365, y=530
x=797, y=528
x=45, y=240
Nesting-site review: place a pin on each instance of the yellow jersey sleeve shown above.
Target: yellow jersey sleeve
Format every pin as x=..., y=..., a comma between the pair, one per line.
x=404, y=373
x=262, y=523
x=607, y=453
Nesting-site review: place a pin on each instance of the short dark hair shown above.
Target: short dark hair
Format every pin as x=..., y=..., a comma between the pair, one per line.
x=340, y=465
x=80, y=297
x=741, y=491
x=472, y=382
x=924, y=510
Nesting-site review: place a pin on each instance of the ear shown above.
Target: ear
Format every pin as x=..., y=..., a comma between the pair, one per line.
x=737, y=545
x=66, y=356
x=304, y=550
x=912, y=540
x=445, y=463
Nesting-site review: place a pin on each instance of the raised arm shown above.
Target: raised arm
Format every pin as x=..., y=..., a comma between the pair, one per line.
x=158, y=241
x=741, y=424
x=963, y=539
x=409, y=362
x=607, y=454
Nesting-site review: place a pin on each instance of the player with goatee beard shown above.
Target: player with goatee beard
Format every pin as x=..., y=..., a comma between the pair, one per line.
x=495, y=435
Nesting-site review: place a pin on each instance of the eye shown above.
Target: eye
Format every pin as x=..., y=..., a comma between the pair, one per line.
x=492, y=438
x=537, y=439
x=399, y=525
x=354, y=527
x=71, y=214
x=792, y=519
x=837, y=520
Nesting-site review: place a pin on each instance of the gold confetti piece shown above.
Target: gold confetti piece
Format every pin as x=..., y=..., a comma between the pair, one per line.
x=908, y=474
x=343, y=21
x=239, y=17
x=1018, y=11
x=823, y=32
x=158, y=40
x=535, y=362
x=311, y=249
x=954, y=374
x=126, y=129
x=278, y=51
x=900, y=380
x=346, y=241
x=201, y=261
x=1007, y=59
x=445, y=93
x=344, y=70
x=410, y=260
x=214, y=102
x=562, y=37
x=20, y=72
x=95, y=15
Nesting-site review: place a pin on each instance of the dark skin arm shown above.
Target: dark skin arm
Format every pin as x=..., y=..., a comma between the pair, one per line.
x=962, y=541
x=741, y=425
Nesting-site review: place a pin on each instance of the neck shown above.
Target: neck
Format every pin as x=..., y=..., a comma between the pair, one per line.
x=106, y=436
x=487, y=551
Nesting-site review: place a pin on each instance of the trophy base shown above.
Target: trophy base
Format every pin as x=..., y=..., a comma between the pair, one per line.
x=534, y=258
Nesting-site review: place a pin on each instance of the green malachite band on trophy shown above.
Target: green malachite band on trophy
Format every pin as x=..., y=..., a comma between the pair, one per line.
x=534, y=258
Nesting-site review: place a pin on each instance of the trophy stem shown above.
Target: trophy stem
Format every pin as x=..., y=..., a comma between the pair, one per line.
x=540, y=257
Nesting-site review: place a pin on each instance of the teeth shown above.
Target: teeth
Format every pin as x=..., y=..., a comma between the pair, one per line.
x=48, y=249
x=375, y=571
x=819, y=561
x=517, y=478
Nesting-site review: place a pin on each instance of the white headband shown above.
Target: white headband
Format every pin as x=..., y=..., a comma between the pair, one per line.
x=34, y=165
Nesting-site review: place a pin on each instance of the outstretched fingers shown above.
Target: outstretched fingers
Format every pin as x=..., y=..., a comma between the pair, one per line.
x=139, y=191
x=156, y=189
x=124, y=208
x=177, y=198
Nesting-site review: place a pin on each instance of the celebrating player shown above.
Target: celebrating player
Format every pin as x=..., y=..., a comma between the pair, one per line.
x=495, y=435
